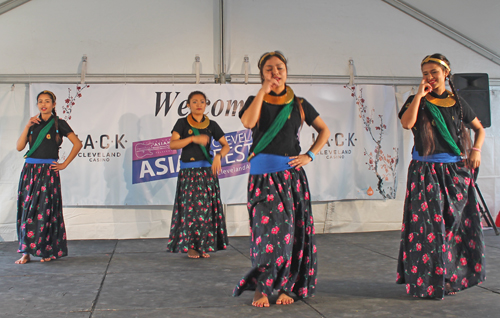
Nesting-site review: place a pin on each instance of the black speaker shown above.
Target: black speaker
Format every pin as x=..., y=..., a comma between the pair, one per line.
x=475, y=89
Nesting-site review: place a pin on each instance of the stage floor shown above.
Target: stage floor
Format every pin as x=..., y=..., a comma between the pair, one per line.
x=137, y=278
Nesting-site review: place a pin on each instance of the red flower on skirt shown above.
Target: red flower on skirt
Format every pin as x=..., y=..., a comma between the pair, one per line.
x=430, y=290
x=265, y=219
x=269, y=248
x=425, y=258
x=424, y=206
x=478, y=267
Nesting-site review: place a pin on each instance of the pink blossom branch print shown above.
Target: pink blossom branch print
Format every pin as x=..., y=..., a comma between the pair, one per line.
x=381, y=163
x=70, y=101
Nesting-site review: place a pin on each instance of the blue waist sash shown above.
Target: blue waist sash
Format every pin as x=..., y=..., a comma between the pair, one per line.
x=39, y=161
x=195, y=164
x=267, y=163
x=437, y=157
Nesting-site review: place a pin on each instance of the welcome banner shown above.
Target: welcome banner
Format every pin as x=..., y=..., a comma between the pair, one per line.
x=125, y=130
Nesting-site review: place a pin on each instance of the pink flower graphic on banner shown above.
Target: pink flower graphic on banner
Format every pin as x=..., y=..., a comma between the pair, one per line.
x=414, y=269
x=270, y=197
x=453, y=278
x=269, y=282
x=410, y=237
x=71, y=100
x=257, y=192
x=438, y=217
x=439, y=271
x=382, y=164
x=419, y=247
x=275, y=230
x=414, y=217
x=420, y=281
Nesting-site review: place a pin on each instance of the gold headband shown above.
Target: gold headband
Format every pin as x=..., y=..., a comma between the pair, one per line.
x=432, y=59
x=270, y=54
x=50, y=93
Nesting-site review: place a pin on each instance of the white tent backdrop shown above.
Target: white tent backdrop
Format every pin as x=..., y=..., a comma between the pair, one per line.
x=155, y=41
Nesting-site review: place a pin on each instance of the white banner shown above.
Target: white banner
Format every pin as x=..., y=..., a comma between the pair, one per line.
x=125, y=130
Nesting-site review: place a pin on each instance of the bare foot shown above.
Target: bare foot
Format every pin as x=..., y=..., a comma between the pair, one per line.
x=448, y=290
x=193, y=253
x=46, y=260
x=205, y=255
x=23, y=260
x=259, y=299
x=284, y=298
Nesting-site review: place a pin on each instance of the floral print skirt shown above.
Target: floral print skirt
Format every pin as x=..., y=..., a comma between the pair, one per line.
x=282, y=246
x=197, y=217
x=40, y=223
x=442, y=246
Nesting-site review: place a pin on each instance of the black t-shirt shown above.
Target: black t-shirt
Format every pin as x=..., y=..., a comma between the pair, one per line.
x=451, y=117
x=286, y=142
x=193, y=152
x=48, y=149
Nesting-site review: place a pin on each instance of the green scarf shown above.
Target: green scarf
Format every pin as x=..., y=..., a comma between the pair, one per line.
x=273, y=130
x=197, y=133
x=442, y=128
x=40, y=138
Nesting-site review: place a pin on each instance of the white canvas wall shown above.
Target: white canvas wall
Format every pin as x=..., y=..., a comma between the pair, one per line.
x=125, y=37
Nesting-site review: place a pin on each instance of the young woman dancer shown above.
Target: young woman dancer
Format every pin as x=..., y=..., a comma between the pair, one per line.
x=283, y=250
x=198, y=223
x=40, y=223
x=442, y=248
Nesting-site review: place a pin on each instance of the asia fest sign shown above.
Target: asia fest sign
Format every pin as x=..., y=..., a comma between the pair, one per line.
x=125, y=130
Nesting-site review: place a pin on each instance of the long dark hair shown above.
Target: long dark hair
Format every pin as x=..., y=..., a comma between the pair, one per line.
x=56, y=119
x=262, y=61
x=427, y=134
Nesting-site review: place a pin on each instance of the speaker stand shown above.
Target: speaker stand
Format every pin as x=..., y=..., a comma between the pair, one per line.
x=483, y=208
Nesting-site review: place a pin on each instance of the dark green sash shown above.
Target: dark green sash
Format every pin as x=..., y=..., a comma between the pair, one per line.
x=273, y=130
x=442, y=128
x=40, y=138
x=207, y=156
